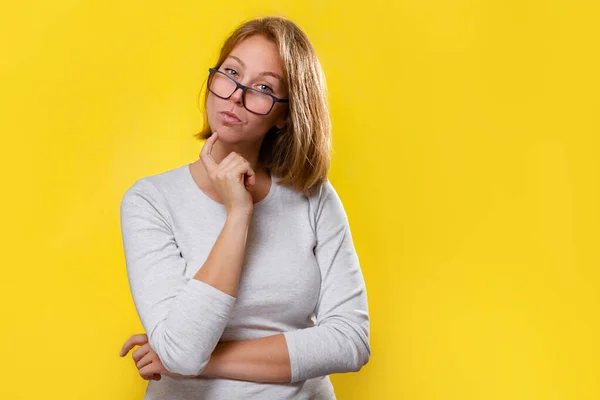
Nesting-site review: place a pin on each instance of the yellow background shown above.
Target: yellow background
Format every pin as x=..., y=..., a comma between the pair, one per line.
x=466, y=155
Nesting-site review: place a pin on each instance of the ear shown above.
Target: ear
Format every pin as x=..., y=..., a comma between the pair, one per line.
x=282, y=121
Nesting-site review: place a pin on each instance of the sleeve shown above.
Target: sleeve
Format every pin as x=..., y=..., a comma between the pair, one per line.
x=339, y=341
x=183, y=318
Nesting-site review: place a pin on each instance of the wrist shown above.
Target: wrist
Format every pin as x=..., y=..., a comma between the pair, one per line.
x=239, y=215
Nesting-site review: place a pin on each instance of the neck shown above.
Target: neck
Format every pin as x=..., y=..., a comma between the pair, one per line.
x=249, y=151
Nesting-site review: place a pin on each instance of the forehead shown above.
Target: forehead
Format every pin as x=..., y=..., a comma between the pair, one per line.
x=259, y=54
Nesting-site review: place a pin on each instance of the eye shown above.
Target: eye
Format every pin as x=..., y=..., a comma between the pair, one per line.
x=233, y=70
x=265, y=88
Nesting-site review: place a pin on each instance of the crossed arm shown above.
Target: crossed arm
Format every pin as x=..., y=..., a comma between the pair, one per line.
x=166, y=301
x=264, y=360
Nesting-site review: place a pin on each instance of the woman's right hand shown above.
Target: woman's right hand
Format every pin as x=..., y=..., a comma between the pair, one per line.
x=228, y=178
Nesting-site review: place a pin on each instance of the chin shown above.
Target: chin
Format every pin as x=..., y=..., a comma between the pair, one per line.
x=228, y=133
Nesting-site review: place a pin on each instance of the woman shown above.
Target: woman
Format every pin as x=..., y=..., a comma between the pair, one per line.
x=241, y=264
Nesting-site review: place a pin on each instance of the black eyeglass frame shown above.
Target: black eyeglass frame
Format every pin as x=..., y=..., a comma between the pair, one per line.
x=244, y=88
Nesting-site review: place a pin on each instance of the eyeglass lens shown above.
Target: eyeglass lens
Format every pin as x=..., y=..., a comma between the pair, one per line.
x=255, y=101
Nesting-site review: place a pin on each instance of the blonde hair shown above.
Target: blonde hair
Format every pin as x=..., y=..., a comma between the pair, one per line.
x=298, y=153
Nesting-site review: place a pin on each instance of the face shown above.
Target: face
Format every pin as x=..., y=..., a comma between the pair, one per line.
x=253, y=62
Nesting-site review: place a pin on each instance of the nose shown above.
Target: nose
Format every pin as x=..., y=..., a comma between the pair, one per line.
x=236, y=97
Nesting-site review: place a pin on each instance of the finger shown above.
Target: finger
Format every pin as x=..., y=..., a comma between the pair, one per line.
x=251, y=180
x=230, y=158
x=156, y=377
x=211, y=139
x=134, y=340
x=140, y=352
x=251, y=176
x=244, y=170
x=149, y=370
x=232, y=165
x=147, y=359
x=206, y=153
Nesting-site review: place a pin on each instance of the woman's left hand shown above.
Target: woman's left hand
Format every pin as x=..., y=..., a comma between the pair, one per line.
x=146, y=360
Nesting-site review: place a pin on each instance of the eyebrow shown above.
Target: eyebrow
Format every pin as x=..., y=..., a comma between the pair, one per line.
x=273, y=74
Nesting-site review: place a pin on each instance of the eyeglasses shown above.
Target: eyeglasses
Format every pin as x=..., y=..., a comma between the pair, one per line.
x=255, y=101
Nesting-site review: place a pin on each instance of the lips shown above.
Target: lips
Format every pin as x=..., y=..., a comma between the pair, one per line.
x=230, y=117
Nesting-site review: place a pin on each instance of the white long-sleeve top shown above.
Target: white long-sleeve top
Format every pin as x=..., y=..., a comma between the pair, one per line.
x=301, y=277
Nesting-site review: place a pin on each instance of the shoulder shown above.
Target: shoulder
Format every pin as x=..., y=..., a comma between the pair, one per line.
x=324, y=192
x=163, y=184
x=326, y=201
x=153, y=191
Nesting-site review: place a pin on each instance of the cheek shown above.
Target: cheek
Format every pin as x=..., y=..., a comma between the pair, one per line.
x=210, y=103
x=260, y=123
x=210, y=107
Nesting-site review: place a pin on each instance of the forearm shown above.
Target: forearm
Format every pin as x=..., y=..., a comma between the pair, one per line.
x=264, y=360
x=223, y=265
